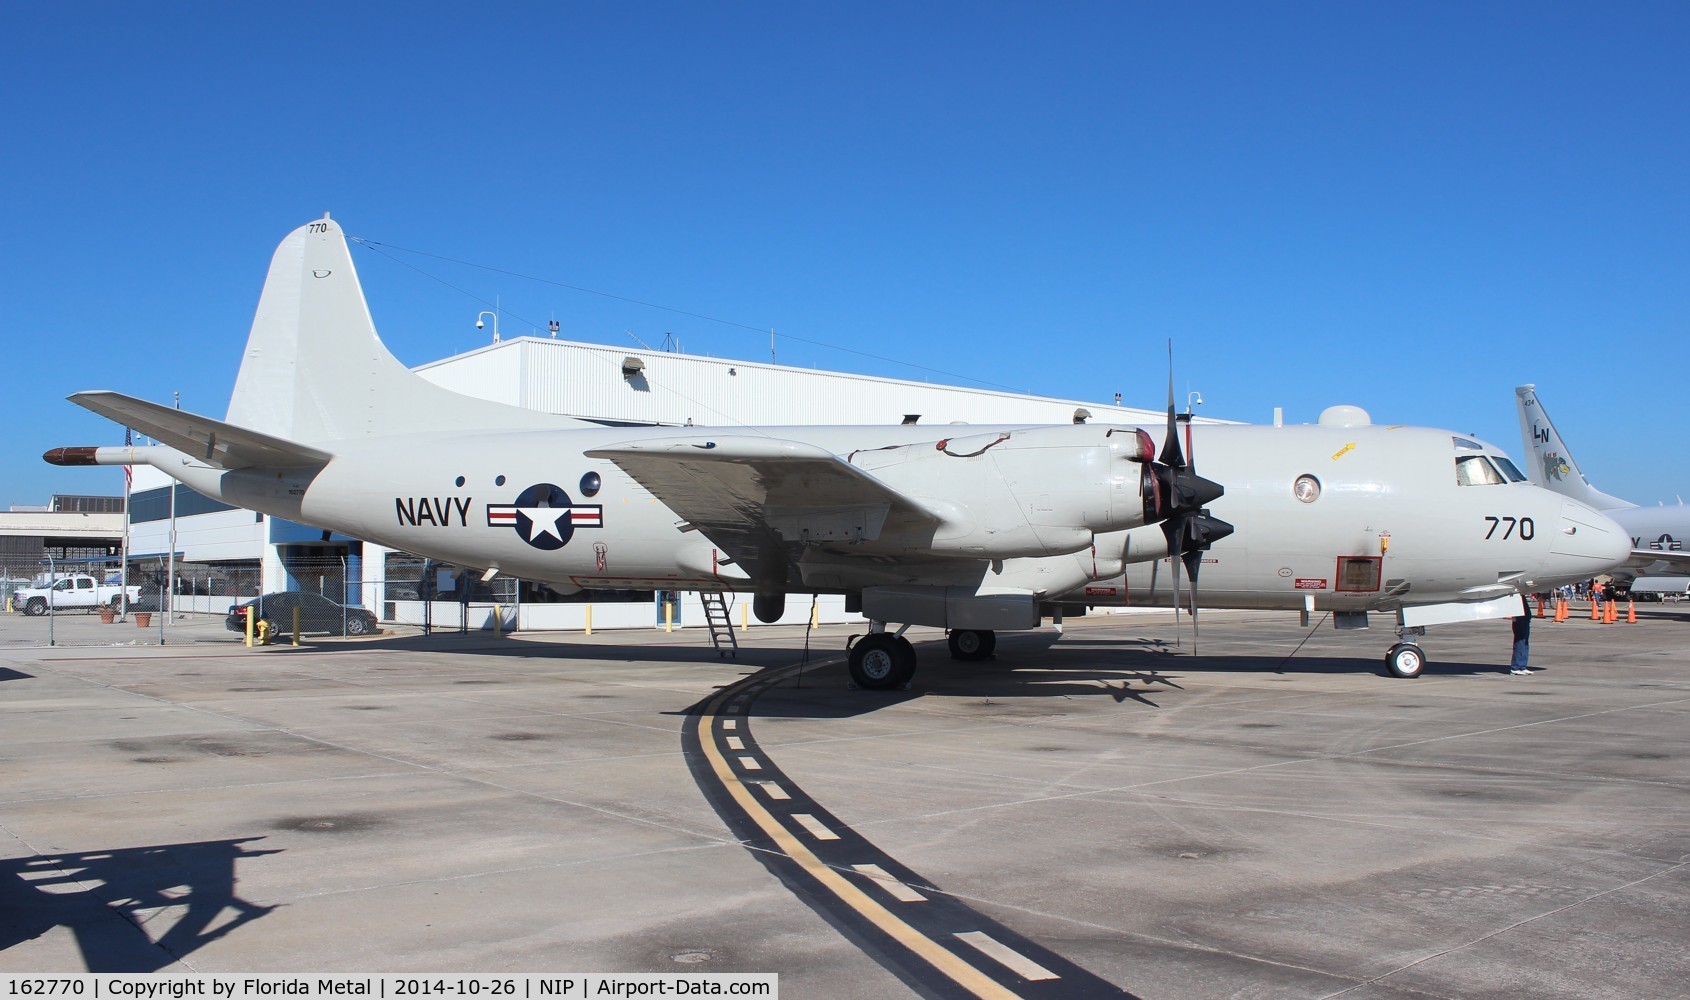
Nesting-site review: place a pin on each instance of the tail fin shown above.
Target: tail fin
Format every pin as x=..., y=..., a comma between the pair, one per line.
x=1549, y=463
x=315, y=372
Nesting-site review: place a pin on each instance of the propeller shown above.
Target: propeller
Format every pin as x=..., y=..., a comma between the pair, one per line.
x=1178, y=499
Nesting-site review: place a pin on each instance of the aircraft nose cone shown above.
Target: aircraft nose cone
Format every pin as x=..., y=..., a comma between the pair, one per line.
x=1587, y=543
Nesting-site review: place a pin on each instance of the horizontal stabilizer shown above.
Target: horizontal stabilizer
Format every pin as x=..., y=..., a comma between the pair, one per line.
x=217, y=444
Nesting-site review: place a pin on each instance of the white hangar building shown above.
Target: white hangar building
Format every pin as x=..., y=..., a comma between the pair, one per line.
x=222, y=554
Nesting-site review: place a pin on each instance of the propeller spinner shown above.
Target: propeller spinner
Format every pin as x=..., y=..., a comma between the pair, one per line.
x=1178, y=499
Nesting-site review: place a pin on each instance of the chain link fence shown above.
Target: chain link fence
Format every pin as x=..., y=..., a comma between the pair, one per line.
x=157, y=602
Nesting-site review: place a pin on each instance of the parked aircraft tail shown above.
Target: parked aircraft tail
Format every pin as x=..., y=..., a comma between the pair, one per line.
x=1550, y=464
x=315, y=372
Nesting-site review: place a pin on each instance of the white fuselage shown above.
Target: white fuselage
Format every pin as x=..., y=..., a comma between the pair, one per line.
x=1389, y=527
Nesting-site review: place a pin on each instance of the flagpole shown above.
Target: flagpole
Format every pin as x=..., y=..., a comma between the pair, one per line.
x=170, y=573
x=128, y=480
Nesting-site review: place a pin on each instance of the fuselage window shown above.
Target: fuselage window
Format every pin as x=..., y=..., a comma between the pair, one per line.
x=1509, y=469
x=1475, y=470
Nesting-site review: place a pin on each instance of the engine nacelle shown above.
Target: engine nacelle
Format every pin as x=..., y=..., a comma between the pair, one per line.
x=952, y=607
x=1041, y=491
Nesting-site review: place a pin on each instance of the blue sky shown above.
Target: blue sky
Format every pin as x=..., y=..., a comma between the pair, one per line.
x=1410, y=207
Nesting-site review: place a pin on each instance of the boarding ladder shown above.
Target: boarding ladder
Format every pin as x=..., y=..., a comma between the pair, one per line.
x=721, y=626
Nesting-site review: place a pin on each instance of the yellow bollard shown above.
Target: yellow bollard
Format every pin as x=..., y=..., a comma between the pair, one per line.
x=589, y=619
x=251, y=613
x=498, y=620
x=8, y=603
x=296, y=626
x=815, y=615
x=744, y=616
x=668, y=616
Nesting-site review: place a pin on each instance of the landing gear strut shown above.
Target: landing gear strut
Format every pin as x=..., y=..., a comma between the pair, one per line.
x=972, y=644
x=882, y=661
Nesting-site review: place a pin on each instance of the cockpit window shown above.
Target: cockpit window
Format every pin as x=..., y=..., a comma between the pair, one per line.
x=1508, y=469
x=1467, y=444
x=1476, y=470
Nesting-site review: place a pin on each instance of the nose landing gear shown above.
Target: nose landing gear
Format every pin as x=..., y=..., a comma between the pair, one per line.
x=1406, y=658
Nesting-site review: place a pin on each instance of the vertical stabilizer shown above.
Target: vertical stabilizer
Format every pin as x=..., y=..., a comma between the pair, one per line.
x=314, y=370
x=1548, y=462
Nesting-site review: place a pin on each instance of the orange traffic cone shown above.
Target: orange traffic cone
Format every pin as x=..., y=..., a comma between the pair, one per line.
x=1540, y=603
x=1612, y=614
x=1631, y=612
x=1561, y=610
x=1595, y=610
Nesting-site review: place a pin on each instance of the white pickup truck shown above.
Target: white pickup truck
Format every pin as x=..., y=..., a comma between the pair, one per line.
x=69, y=592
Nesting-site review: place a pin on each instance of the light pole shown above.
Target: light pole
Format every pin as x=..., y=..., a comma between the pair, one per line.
x=52, y=597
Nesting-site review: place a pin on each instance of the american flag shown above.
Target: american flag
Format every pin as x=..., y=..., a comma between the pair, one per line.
x=128, y=470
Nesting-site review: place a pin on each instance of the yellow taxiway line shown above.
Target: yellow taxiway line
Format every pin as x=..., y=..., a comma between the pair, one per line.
x=959, y=971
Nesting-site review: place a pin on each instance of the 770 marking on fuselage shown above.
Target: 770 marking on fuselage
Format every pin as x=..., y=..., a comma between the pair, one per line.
x=438, y=511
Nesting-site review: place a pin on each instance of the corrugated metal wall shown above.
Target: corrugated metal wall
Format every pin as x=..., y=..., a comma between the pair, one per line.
x=492, y=372
x=587, y=380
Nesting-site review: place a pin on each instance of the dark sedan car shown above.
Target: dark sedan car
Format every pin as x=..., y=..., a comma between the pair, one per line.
x=316, y=614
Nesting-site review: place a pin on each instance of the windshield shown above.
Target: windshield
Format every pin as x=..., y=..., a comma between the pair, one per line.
x=1476, y=470
x=1508, y=469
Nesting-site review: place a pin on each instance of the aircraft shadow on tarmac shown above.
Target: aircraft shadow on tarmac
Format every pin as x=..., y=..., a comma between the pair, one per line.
x=1105, y=654
x=1040, y=667
x=8, y=674
x=104, y=899
x=483, y=644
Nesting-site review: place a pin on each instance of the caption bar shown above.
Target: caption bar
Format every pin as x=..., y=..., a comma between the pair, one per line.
x=227, y=986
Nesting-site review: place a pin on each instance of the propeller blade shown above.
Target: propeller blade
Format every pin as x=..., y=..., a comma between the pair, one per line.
x=1177, y=562
x=1194, y=611
x=1171, y=456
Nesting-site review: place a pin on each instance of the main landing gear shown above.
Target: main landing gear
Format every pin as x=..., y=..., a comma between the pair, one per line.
x=885, y=661
x=1406, y=658
x=882, y=661
x=972, y=644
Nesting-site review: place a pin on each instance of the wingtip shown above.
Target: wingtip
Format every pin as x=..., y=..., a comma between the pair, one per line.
x=70, y=456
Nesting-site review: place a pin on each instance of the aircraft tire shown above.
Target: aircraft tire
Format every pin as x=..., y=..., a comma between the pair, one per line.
x=906, y=667
x=881, y=662
x=1405, y=660
x=972, y=644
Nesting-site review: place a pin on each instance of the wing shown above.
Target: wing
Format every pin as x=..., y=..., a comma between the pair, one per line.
x=1657, y=562
x=755, y=497
x=217, y=444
